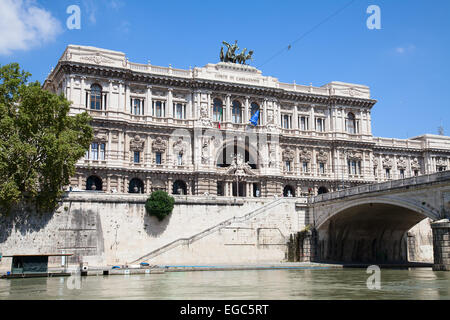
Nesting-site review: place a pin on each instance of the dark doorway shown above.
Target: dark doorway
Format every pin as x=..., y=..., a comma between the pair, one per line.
x=288, y=191
x=241, y=189
x=179, y=187
x=94, y=183
x=322, y=190
x=136, y=186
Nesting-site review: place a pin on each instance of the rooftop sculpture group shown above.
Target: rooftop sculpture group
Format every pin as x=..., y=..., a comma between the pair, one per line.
x=231, y=55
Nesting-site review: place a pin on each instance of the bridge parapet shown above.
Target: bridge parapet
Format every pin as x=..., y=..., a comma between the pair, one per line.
x=384, y=186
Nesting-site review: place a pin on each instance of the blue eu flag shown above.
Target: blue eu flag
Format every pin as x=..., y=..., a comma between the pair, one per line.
x=254, y=119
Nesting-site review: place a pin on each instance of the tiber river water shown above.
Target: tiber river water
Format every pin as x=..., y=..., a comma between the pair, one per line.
x=421, y=283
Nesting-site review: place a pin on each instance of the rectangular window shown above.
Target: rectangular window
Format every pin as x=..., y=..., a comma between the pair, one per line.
x=288, y=166
x=286, y=121
x=305, y=166
x=179, y=110
x=158, y=158
x=102, y=151
x=94, y=151
x=354, y=167
x=388, y=173
x=136, y=107
x=402, y=174
x=180, y=159
x=416, y=173
x=158, y=109
x=137, y=157
x=321, y=168
x=320, y=124
x=304, y=123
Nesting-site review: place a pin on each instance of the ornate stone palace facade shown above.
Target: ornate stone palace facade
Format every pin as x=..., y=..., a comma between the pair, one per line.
x=187, y=131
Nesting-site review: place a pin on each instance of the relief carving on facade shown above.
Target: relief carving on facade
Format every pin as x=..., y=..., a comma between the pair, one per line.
x=159, y=145
x=440, y=162
x=288, y=154
x=97, y=59
x=355, y=155
x=239, y=166
x=272, y=156
x=322, y=156
x=401, y=163
x=305, y=155
x=387, y=162
x=137, y=144
x=179, y=148
x=205, y=150
x=204, y=116
x=415, y=165
x=100, y=136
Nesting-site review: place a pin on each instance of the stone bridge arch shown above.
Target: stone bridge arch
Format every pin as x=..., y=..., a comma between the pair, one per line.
x=368, y=230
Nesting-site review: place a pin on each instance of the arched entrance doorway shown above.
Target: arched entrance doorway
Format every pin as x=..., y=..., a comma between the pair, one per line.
x=136, y=186
x=322, y=190
x=230, y=151
x=179, y=187
x=288, y=191
x=94, y=183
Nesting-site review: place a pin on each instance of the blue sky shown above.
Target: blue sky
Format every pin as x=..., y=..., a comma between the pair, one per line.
x=406, y=63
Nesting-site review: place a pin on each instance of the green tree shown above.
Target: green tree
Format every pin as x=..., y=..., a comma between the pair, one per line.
x=39, y=142
x=159, y=204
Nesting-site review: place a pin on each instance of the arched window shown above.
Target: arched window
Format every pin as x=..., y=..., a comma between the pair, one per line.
x=136, y=186
x=254, y=107
x=179, y=187
x=237, y=112
x=351, y=123
x=217, y=110
x=288, y=191
x=94, y=183
x=96, y=97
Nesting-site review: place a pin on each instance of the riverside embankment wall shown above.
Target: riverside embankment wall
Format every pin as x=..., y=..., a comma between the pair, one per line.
x=110, y=229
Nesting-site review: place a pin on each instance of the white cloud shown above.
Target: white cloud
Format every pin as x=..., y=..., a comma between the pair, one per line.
x=405, y=49
x=24, y=25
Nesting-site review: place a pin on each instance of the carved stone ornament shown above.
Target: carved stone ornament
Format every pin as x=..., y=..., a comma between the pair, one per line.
x=322, y=156
x=179, y=147
x=239, y=167
x=272, y=156
x=204, y=117
x=100, y=136
x=375, y=162
x=401, y=163
x=205, y=150
x=305, y=155
x=354, y=155
x=387, y=163
x=97, y=59
x=288, y=154
x=159, y=145
x=137, y=144
x=440, y=162
x=415, y=165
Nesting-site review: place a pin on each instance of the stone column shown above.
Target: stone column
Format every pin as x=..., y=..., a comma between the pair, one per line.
x=83, y=93
x=441, y=245
x=246, y=118
x=170, y=103
x=228, y=109
x=149, y=104
x=127, y=99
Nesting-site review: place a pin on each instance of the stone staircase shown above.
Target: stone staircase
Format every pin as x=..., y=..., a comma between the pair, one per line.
x=206, y=232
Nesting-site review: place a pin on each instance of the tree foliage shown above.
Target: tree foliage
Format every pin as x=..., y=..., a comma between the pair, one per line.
x=159, y=204
x=39, y=142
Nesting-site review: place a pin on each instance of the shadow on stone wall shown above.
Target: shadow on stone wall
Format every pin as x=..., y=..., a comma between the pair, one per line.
x=23, y=220
x=153, y=226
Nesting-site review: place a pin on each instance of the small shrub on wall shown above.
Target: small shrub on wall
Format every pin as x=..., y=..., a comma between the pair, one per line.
x=159, y=204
